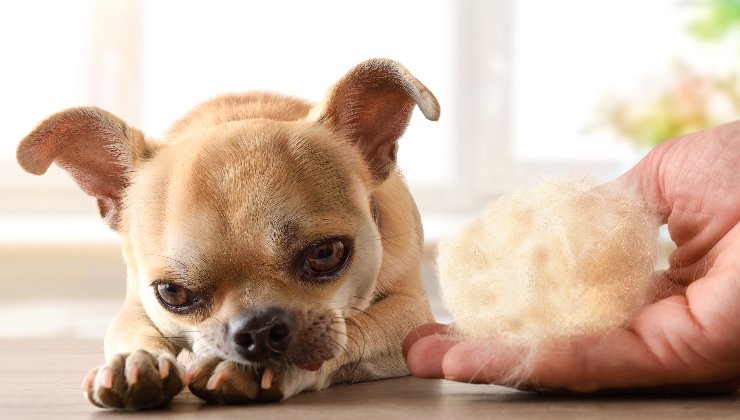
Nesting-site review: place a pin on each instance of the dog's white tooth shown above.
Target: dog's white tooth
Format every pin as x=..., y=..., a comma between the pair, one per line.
x=267, y=377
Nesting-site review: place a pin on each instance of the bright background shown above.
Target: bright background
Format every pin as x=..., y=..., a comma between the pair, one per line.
x=528, y=88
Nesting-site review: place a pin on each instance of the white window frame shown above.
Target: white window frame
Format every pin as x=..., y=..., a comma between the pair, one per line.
x=483, y=134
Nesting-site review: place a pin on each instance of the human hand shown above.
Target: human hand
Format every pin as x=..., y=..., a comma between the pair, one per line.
x=688, y=339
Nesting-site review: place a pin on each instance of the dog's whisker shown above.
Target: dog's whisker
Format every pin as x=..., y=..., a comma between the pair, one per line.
x=217, y=320
x=360, y=347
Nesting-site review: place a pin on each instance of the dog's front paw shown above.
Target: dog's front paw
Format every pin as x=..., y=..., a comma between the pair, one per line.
x=134, y=381
x=226, y=382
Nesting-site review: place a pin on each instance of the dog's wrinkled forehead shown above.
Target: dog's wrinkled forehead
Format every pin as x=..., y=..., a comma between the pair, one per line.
x=259, y=163
x=259, y=178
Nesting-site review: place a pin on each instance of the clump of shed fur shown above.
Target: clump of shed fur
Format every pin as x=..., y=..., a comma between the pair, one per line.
x=552, y=262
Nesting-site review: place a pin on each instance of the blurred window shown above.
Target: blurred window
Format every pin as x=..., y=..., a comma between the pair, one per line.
x=525, y=85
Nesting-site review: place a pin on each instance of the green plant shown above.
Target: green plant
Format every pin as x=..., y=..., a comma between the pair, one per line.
x=686, y=100
x=720, y=17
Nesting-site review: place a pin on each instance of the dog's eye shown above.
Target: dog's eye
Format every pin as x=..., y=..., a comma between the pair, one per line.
x=326, y=258
x=174, y=296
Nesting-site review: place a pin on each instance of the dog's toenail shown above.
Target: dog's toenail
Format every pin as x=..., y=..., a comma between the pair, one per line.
x=164, y=368
x=133, y=375
x=216, y=380
x=107, y=379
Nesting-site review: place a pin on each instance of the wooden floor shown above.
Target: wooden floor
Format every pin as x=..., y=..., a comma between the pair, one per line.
x=41, y=380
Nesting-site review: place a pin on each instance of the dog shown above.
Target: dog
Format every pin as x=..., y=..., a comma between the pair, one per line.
x=272, y=239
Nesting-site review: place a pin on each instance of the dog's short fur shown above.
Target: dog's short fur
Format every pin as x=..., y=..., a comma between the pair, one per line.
x=272, y=238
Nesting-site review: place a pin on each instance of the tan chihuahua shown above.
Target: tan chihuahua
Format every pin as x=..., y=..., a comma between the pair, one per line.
x=273, y=239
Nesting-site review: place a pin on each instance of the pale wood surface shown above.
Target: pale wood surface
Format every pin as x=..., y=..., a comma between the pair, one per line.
x=41, y=380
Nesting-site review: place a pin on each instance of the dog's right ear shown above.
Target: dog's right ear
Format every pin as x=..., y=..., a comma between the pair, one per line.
x=371, y=105
x=97, y=148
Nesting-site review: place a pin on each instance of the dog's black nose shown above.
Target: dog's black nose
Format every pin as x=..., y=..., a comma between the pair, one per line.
x=261, y=334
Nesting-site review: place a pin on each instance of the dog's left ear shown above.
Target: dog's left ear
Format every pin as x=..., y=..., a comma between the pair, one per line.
x=372, y=106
